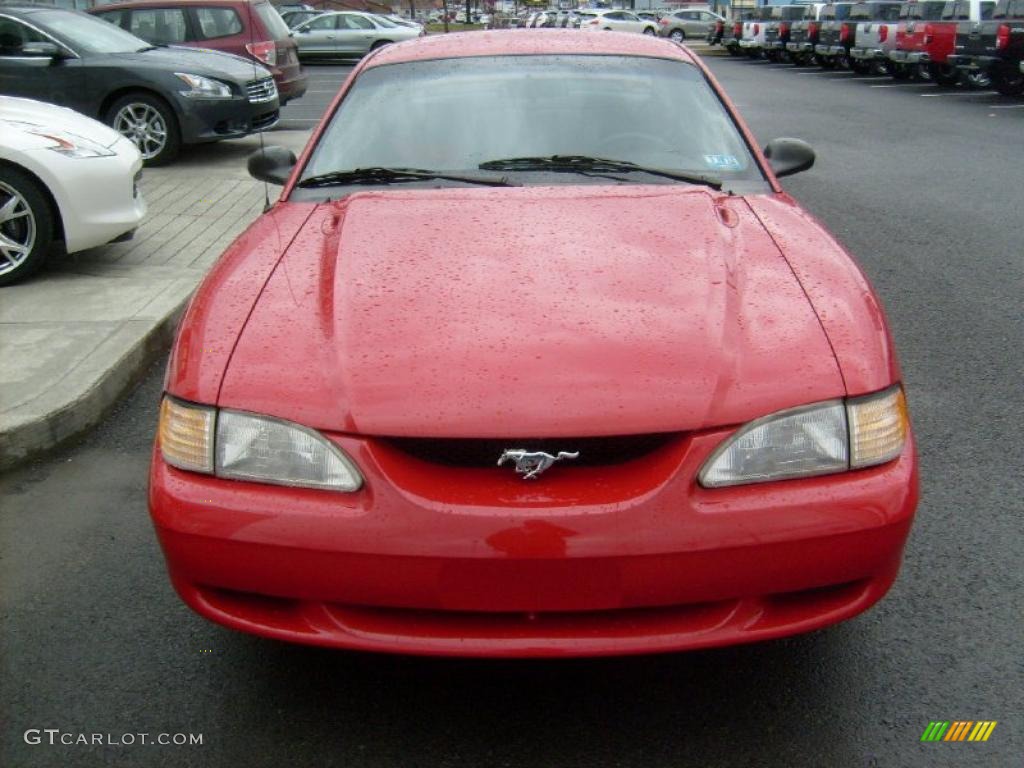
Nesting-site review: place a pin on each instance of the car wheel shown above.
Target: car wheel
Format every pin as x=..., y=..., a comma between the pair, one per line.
x=923, y=72
x=826, y=62
x=26, y=225
x=1009, y=81
x=979, y=79
x=648, y=30
x=900, y=71
x=149, y=123
x=733, y=50
x=379, y=44
x=677, y=36
x=944, y=74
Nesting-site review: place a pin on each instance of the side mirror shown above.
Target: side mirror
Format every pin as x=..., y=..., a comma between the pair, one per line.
x=789, y=156
x=44, y=50
x=272, y=164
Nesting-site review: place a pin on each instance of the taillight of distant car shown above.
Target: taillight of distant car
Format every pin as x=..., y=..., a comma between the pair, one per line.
x=844, y=33
x=757, y=29
x=1002, y=37
x=265, y=52
x=812, y=28
x=928, y=34
x=737, y=29
x=883, y=32
x=783, y=28
x=663, y=22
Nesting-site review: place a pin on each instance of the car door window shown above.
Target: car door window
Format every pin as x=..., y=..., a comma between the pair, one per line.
x=630, y=17
x=162, y=26
x=14, y=35
x=357, y=23
x=217, y=22
x=321, y=24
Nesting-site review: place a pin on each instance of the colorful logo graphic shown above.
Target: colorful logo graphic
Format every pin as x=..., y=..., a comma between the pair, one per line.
x=958, y=730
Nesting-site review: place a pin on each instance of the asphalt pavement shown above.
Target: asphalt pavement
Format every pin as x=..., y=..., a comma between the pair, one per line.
x=924, y=188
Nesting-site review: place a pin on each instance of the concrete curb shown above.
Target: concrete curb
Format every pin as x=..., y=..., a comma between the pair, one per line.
x=22, y=441
x=77, y=337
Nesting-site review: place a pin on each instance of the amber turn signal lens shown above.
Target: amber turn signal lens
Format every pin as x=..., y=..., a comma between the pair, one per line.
x=878, y=427
x=186, y=435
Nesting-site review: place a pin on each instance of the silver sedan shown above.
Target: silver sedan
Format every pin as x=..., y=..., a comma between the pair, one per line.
x=348, y=33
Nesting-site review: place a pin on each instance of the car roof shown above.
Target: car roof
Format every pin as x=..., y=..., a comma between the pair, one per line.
x=527, y=43
x=173, y=3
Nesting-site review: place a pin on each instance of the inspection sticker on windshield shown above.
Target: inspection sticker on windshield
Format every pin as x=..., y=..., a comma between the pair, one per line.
x=722, y=162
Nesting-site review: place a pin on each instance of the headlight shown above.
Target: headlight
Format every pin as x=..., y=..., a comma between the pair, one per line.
x=70, y=145
x=204, y=87
x=817, y=439
x=244, y=446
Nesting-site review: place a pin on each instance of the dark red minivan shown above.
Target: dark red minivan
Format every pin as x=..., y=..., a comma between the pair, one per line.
x=250, y=28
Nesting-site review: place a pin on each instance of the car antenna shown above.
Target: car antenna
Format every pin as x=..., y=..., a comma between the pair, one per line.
x=255, y=76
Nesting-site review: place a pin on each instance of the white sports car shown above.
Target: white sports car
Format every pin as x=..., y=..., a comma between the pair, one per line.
x=63, y=177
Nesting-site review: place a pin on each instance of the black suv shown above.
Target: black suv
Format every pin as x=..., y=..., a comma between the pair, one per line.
x=995, y=47
x=158, y=96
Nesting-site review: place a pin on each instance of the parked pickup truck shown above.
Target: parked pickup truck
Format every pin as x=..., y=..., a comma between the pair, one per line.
x=734, y=32
x=934, y=41
x=994, y=46
x=778, y=27
x=874, y=36
x=803, y=35
x=752, y=42
x=906, y=56
x=831, y=49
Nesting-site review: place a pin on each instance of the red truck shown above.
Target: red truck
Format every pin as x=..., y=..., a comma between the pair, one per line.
x=927, y=37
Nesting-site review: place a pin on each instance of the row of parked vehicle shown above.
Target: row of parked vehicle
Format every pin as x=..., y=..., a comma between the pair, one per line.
x=946, y=41
x=679, y=24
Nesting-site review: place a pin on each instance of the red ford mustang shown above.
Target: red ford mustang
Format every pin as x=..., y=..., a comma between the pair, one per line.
x=533, y=357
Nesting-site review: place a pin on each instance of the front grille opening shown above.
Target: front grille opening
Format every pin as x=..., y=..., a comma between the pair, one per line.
x=484, y=452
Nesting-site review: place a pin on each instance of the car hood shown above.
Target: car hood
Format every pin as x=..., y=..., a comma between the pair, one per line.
x=530, y=312
x=195, y=61
x=27, y=114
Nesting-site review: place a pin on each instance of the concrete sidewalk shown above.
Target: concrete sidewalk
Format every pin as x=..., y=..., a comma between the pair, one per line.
x=78, y=334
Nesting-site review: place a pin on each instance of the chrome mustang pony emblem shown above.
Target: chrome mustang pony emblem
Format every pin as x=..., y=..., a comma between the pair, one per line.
x=530, y=464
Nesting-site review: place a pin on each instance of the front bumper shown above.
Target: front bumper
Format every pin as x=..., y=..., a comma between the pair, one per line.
x=971, y=63
x=830, y=50
x=98, y=198
x=213, y=120
x=483, y=564
x=868, y=54
x=909, y=57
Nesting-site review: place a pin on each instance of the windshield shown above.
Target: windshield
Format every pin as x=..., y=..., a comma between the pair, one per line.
x=87, y=34
x=927, y=11
x=455, y=114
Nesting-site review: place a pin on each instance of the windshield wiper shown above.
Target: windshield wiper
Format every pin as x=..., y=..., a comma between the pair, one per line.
x=588, y=165
x=379, y=175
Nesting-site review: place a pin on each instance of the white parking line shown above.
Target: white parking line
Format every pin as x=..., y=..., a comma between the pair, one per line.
x=1007, y=106
x=965, y=95
x=907, y=85
x=825, y=72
